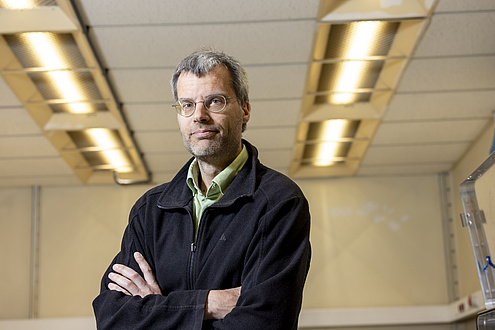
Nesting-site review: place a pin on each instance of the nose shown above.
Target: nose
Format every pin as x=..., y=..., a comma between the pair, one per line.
x=201, y=114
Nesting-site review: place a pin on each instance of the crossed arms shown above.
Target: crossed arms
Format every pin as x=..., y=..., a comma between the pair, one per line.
x=124, y=279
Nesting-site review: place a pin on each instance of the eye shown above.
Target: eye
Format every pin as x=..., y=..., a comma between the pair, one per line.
x=186, y=104
x=216, y=100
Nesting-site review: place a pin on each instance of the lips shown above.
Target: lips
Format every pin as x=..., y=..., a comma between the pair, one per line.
x=204, y=133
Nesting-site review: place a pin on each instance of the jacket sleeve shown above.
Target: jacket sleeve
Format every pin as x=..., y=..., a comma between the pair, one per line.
x=275, y=270
x=115, y=310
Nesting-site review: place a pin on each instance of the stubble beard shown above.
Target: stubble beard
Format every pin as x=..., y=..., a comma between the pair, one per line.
x=216, y=150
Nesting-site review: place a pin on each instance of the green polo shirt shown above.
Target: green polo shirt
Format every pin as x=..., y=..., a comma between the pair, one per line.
x=218, y=186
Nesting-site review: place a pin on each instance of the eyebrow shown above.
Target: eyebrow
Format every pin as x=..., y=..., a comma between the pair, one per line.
x=214, y=94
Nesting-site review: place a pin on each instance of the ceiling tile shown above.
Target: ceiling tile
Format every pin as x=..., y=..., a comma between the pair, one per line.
x=414, y=154
x=266, y=82
x=274, y=113
x=443, y=74
x=250, y=43
x=26, y=146
x=151, y=117
x=463, y=5
x=159, y=141
x=416, y=169
x=276, y=82
x=428, y=132
x=43, y=180
x=17, y=121
x=167, y=162
x=7, y=97
x=445, y=105
x=459, y=34
x=275, y=158
x=137, y=12
x=54, y=166
x=148, y=85
x=271, y=138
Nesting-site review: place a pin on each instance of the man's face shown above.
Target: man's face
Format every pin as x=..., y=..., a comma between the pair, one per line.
x=211, y=136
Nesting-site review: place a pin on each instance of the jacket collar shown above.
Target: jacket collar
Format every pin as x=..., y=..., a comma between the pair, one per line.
x=177, y=194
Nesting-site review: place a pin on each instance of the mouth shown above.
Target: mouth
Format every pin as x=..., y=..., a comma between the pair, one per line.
x=204, y=133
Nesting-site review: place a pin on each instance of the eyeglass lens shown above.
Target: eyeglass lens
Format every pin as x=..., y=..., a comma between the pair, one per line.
x=213, y=103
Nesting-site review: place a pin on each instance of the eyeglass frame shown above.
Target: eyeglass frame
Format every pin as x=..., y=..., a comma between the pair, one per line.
x=178, y=106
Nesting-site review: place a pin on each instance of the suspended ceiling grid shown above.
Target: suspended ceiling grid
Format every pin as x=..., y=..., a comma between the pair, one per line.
x=444, y=100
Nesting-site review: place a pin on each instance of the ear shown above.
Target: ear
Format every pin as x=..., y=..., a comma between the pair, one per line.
x=246, y=109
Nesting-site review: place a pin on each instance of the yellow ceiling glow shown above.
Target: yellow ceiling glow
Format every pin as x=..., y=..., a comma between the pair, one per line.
x=327, y=149
x=351, y=70
x=48, y=54
x=19, y=4
x=51, y=57
x=111, y=148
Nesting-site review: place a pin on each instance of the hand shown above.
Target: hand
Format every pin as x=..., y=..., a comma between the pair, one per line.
x=128, y=281
x=221, y=302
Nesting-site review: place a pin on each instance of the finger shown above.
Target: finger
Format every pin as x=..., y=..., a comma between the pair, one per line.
x=145, y=268
x=148, y=274
x=115, y=287
x=124, y=283
x=131, y=275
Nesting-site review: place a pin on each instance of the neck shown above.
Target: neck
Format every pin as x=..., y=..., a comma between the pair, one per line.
x=210, y=168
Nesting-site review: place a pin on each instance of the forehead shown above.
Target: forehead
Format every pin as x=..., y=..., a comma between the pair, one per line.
x=217, y=80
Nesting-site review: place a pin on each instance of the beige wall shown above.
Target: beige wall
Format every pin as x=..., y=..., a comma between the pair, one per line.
x=376, y=242
x=15, y=232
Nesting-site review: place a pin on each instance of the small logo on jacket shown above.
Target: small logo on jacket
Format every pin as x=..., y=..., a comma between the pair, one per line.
x=223, y=238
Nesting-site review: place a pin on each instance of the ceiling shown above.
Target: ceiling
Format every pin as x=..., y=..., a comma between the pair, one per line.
x=444, y=100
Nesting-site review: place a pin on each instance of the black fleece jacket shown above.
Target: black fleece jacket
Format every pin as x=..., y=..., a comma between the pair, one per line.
x=256, y=236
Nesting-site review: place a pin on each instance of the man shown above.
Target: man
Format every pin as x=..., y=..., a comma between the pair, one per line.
x=225, y=244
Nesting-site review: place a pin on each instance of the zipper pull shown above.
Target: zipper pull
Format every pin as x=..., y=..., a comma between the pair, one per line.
x=193, y=247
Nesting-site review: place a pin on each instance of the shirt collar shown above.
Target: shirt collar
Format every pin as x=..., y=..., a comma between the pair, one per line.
x=222, y=181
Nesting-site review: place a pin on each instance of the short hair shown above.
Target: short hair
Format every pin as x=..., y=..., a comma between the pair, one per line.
x=203, y=61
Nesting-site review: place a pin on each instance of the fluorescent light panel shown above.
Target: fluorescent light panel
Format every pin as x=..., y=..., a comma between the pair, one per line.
x=56, y=55
x=352, y=47
x=24, y=4
x=328, y=142
x=103, y=149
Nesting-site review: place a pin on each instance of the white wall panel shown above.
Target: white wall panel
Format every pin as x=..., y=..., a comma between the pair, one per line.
x=376, y=242
x=80, y=234
x=15, y=244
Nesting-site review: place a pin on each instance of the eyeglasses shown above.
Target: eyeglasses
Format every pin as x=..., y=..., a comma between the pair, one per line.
x=212, y=103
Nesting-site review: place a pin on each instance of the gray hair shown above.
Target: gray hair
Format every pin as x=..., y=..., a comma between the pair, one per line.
x=205, y=60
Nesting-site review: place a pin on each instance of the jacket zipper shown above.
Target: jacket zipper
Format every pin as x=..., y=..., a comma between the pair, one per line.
x=191, y=266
